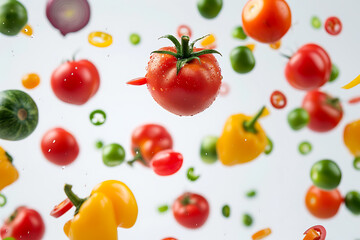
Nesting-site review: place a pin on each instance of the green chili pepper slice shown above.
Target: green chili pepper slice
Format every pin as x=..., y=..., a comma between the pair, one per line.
x=251, y=194
x=99, y=144
x=269, y=147
x=191, y=176
x=226, y=211
x=356, y=163
x=305, y=148
x=97, y=117
x=316, y=22
x=163, y=208
x=3, y=200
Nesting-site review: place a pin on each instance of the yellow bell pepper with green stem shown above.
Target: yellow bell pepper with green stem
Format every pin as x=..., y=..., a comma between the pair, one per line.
x=8, y=173
x=242, y=139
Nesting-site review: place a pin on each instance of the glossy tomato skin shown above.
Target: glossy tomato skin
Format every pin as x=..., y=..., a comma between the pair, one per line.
x=59, y=146
x=309, y=68
x=166, y=162
x=191, y=210
x=190, y=91
x=321, y=203
x=150, y=139
x=324, y=115
x=266, y=21
x=27, y=224
x=75, y=82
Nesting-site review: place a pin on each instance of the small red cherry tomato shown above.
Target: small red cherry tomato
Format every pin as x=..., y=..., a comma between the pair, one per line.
x=333, y=26
x=59, y=146
x=278, y=100
x=184, y=30
x=166, y=162
x=61, y=208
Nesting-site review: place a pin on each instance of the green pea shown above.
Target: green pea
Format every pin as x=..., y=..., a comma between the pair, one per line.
x=97, y=117
x=238, y=33
x=305, y=148
x=242, y=59
x=113, y=154
x=163, y=208
x=316, y=22
x=326, y=174
x=334, y=73
x=226, y=211
x=99, y=144
x=298, y=118
x=356, y=163
x=352, y=202
x=208, y=152
x=209, y=8
x=135, y=38
x=247, y=220
x=251, y=194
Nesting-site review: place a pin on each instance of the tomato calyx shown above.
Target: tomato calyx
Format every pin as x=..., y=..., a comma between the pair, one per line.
x=185, y=51
x=138, y=157
x=333, y=102
x=249, y=126
x=318, y=228
x=186, y=200
x=76, y=201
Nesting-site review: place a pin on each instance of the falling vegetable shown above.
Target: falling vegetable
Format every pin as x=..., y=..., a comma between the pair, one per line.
x=8, y=173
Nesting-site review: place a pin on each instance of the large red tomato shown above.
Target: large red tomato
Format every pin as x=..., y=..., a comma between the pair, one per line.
x=59, y=146
x=266, y=21
x=182, y=79
x=322, y=203
x=191, y=210
x=325, y=111
x=309, y=68
x=75, y=82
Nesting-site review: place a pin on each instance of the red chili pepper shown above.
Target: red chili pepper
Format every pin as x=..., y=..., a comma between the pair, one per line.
x=320, y=229
x=61, y=208
x=138, y=81
x=184, y=30
x=333, y=25
x=354, y=100
x=278, y=100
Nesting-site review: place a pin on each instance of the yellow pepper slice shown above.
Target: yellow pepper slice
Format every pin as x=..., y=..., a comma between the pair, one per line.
x=27, y=30
x=208, y=40
x=275, y=45
x=353, y=83
x=8, y=173
x=251, y=46
x=106, y=39
x=352, y=137
x=261, y=234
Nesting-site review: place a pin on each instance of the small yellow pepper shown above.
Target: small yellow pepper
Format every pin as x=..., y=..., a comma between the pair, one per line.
x=242, y=139
x=8, y=173
x=110, y=205
x=352, y=137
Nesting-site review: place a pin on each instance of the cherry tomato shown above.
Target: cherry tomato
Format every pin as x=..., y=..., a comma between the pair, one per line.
x=309, y=68
x=209, y=8
x=113, y=155
x=298, y=118
x=166, y=162
x=191, y=210
x=61, y=208
x=24, y=224
x=352, y=202
x=75, y=82
x=242, y=59
x=278, y=100
x=59, y=146
x=321, y=203
x=333, y=26
x=147, y=140
x=170, y=238
x=326, y=174
x=325, y=111
x=266, y=21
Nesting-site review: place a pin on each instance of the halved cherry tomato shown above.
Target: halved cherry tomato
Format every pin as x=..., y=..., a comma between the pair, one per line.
x=166, y=162
x=333, y=26
x=61, y=208
x=319, y=230
x=278, y=100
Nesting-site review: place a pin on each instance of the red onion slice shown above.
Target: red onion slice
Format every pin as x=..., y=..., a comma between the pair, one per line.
x=68, y=15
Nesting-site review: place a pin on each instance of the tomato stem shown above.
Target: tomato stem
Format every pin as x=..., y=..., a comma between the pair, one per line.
x=137, y=157
x=77, y=202
x=185, y=51
x=249, y=126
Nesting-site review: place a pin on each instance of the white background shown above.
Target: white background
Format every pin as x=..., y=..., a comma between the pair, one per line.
x=281, y=179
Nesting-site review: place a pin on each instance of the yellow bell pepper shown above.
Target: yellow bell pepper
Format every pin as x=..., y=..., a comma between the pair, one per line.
x=242, y=139
x=110, y=205
x=352, y=137
x=8, y=173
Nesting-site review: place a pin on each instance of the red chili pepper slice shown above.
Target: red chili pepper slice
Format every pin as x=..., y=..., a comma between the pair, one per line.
x=184, y=30
x=278, y=100
x=333, y=25
x=320, y=229
x=61, y=208
x=354, y=100
x=138, y=81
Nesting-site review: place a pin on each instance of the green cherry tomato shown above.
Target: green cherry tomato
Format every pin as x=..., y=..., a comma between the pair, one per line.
x=208, y=149
x=298, y=118
x=247, y=220
x=251, y=194
x=163, y=208
x=352, y=202
x=99, y=144
x=13, y=17
x=239, y=33
x=334, y=73
x=113, y=154
x=242, y=59
x=135, y=38
x=326, y=174
x=209, y=8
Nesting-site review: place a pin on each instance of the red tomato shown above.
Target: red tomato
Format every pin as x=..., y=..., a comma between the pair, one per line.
x=322, y=203
x=325, y=111
x=266, y=21
x=147, y=140
x=278, y=100
x=61, y=208
x=59, y=146
x=309, y=68
x=75, y=82
x=333, y=25
x=170, y=238
x=191, y=210
x=166, y=162
x=24, y=224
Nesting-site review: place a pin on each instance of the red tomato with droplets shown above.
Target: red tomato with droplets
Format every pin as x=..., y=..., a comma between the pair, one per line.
x=333, y=26
x=166, y=162
x=324, y=110
x=191, y=210
x=59, y=146
x=266, y=21
x=75, y=82
x=321, y=203
x=309, y=68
